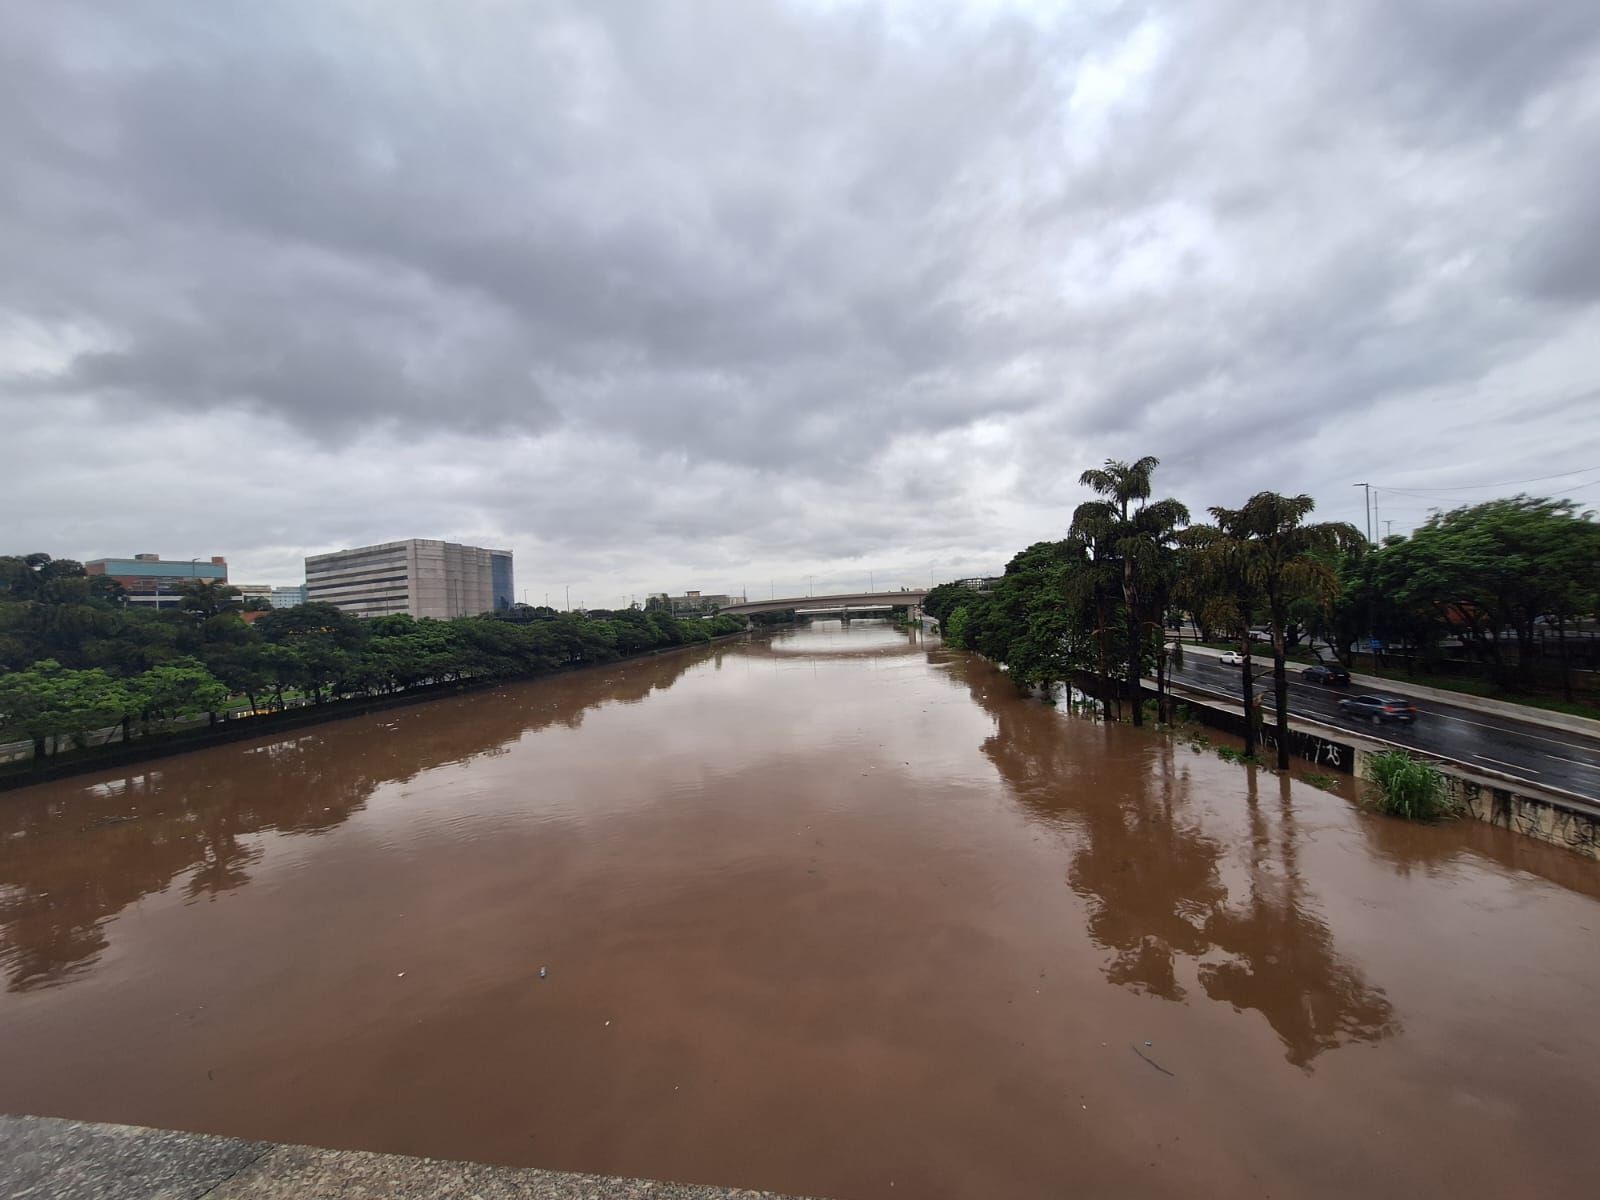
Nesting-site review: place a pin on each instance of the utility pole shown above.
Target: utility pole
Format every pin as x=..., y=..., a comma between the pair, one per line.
x=809, y=589
x=1388, y=530
x=1367, y=506
x=569, y=597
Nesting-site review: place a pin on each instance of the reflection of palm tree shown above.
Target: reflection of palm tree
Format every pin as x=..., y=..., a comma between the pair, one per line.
x=112, y=842
x=1284, y=965
x=1152, y=879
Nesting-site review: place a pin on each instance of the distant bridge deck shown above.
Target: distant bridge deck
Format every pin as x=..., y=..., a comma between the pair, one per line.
x=894, y=599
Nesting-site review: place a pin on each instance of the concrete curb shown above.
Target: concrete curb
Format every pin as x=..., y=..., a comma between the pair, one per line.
x=49, y=1157
x=1565, y=722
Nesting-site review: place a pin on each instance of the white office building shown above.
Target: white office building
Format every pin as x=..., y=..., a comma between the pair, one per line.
x=419, y=577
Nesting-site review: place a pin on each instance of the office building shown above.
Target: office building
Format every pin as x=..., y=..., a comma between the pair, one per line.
x=261, y=593
x=287, y=597
x=150, y=581
x=691, y=603
x=419, y=577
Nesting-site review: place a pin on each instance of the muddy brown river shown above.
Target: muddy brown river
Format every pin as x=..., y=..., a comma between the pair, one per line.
x=832, y=912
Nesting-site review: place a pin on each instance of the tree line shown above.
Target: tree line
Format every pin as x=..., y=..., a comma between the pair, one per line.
x=75, y=657
x=1098, y=604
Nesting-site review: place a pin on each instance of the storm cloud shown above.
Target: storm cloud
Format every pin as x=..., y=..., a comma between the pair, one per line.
x=729, y=294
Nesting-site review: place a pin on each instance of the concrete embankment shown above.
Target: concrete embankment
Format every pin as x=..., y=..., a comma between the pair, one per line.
x=47, y=1157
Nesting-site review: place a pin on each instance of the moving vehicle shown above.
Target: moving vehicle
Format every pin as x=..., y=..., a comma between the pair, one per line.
x=1323, y=673
x=1232, y=658
x=1380, y=708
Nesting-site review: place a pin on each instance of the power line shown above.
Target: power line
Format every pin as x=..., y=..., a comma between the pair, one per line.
x=1472, y=487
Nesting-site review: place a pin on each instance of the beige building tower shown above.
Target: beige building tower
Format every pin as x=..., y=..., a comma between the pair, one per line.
x=420, y=577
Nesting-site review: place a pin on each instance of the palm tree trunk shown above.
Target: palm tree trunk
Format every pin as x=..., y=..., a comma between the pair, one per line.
x=1130, y=604
x=1566, y=669
x=1162, y=706
x=1247, y=686
x=1280, y=689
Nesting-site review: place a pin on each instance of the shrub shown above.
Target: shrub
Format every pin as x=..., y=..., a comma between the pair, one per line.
x=1403, y=786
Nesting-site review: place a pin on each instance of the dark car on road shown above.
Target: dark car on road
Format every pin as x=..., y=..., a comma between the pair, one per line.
x=1380, y=708
x=1322, y=673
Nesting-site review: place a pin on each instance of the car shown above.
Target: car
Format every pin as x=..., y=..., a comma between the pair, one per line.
x=1323, y=673
x=1261, y=635
x=1380, y=708
x=1232, y=658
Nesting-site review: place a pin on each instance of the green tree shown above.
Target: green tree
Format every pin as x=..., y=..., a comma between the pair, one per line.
x=178, y=688
x=49, y=701
x=206, y=598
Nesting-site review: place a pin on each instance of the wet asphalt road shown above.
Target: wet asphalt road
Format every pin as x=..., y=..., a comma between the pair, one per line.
x=1537, y=753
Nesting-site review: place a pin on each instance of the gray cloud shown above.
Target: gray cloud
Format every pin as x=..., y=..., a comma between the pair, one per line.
x=667, y=294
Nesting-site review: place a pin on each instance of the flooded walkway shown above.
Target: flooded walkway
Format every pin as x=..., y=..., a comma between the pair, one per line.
x=834, y=913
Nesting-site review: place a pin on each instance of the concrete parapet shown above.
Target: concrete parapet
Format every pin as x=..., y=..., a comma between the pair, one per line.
x=48, y=1157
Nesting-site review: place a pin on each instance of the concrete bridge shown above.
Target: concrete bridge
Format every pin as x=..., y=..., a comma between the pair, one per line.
x=911, y=598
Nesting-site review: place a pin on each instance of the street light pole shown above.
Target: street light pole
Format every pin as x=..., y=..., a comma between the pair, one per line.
x=1366, y=505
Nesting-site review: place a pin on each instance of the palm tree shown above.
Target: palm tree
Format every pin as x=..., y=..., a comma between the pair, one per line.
x=1140, y=536
x=1220, y=587
x=1283, y=560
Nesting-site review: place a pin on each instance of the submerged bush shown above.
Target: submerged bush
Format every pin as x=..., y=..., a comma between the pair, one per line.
x=1403, y=786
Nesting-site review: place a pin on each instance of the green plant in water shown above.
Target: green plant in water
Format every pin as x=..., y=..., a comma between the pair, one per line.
x=1317, y=779
x=1402, y=786
x=1229, y=754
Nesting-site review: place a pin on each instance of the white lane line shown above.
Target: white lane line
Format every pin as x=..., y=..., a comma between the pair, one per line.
x=1577, y=762
x=1507, y=728
x=1502, y=763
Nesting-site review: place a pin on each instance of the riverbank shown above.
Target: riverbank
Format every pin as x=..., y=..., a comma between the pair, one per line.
x=265, y=725
x=46, y=1156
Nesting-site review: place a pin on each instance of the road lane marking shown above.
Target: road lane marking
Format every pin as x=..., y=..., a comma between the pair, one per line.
x=1577, y=762
x=1500, y=762
x=1508, y=728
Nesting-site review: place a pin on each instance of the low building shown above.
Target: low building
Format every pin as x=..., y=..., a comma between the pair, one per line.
x=260, y=593
x=150, y=581
x=419, y=577
x=691, y=603
x=287, y=597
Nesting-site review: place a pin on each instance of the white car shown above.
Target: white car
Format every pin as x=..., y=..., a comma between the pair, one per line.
x=1232, y=658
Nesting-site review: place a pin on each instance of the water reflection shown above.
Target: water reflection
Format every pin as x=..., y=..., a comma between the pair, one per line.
x=1156, y=882
x=74, y=855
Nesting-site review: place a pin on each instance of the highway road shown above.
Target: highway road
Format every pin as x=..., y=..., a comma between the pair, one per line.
x=1536, y=753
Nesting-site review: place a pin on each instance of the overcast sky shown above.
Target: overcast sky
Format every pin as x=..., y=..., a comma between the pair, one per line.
x=726, y=294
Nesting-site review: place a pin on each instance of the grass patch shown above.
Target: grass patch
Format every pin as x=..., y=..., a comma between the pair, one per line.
x=1402, y=786
x=1230, y=754
x=1317, y=779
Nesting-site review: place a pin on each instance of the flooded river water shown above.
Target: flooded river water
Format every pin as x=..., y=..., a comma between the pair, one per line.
x=834, y=912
